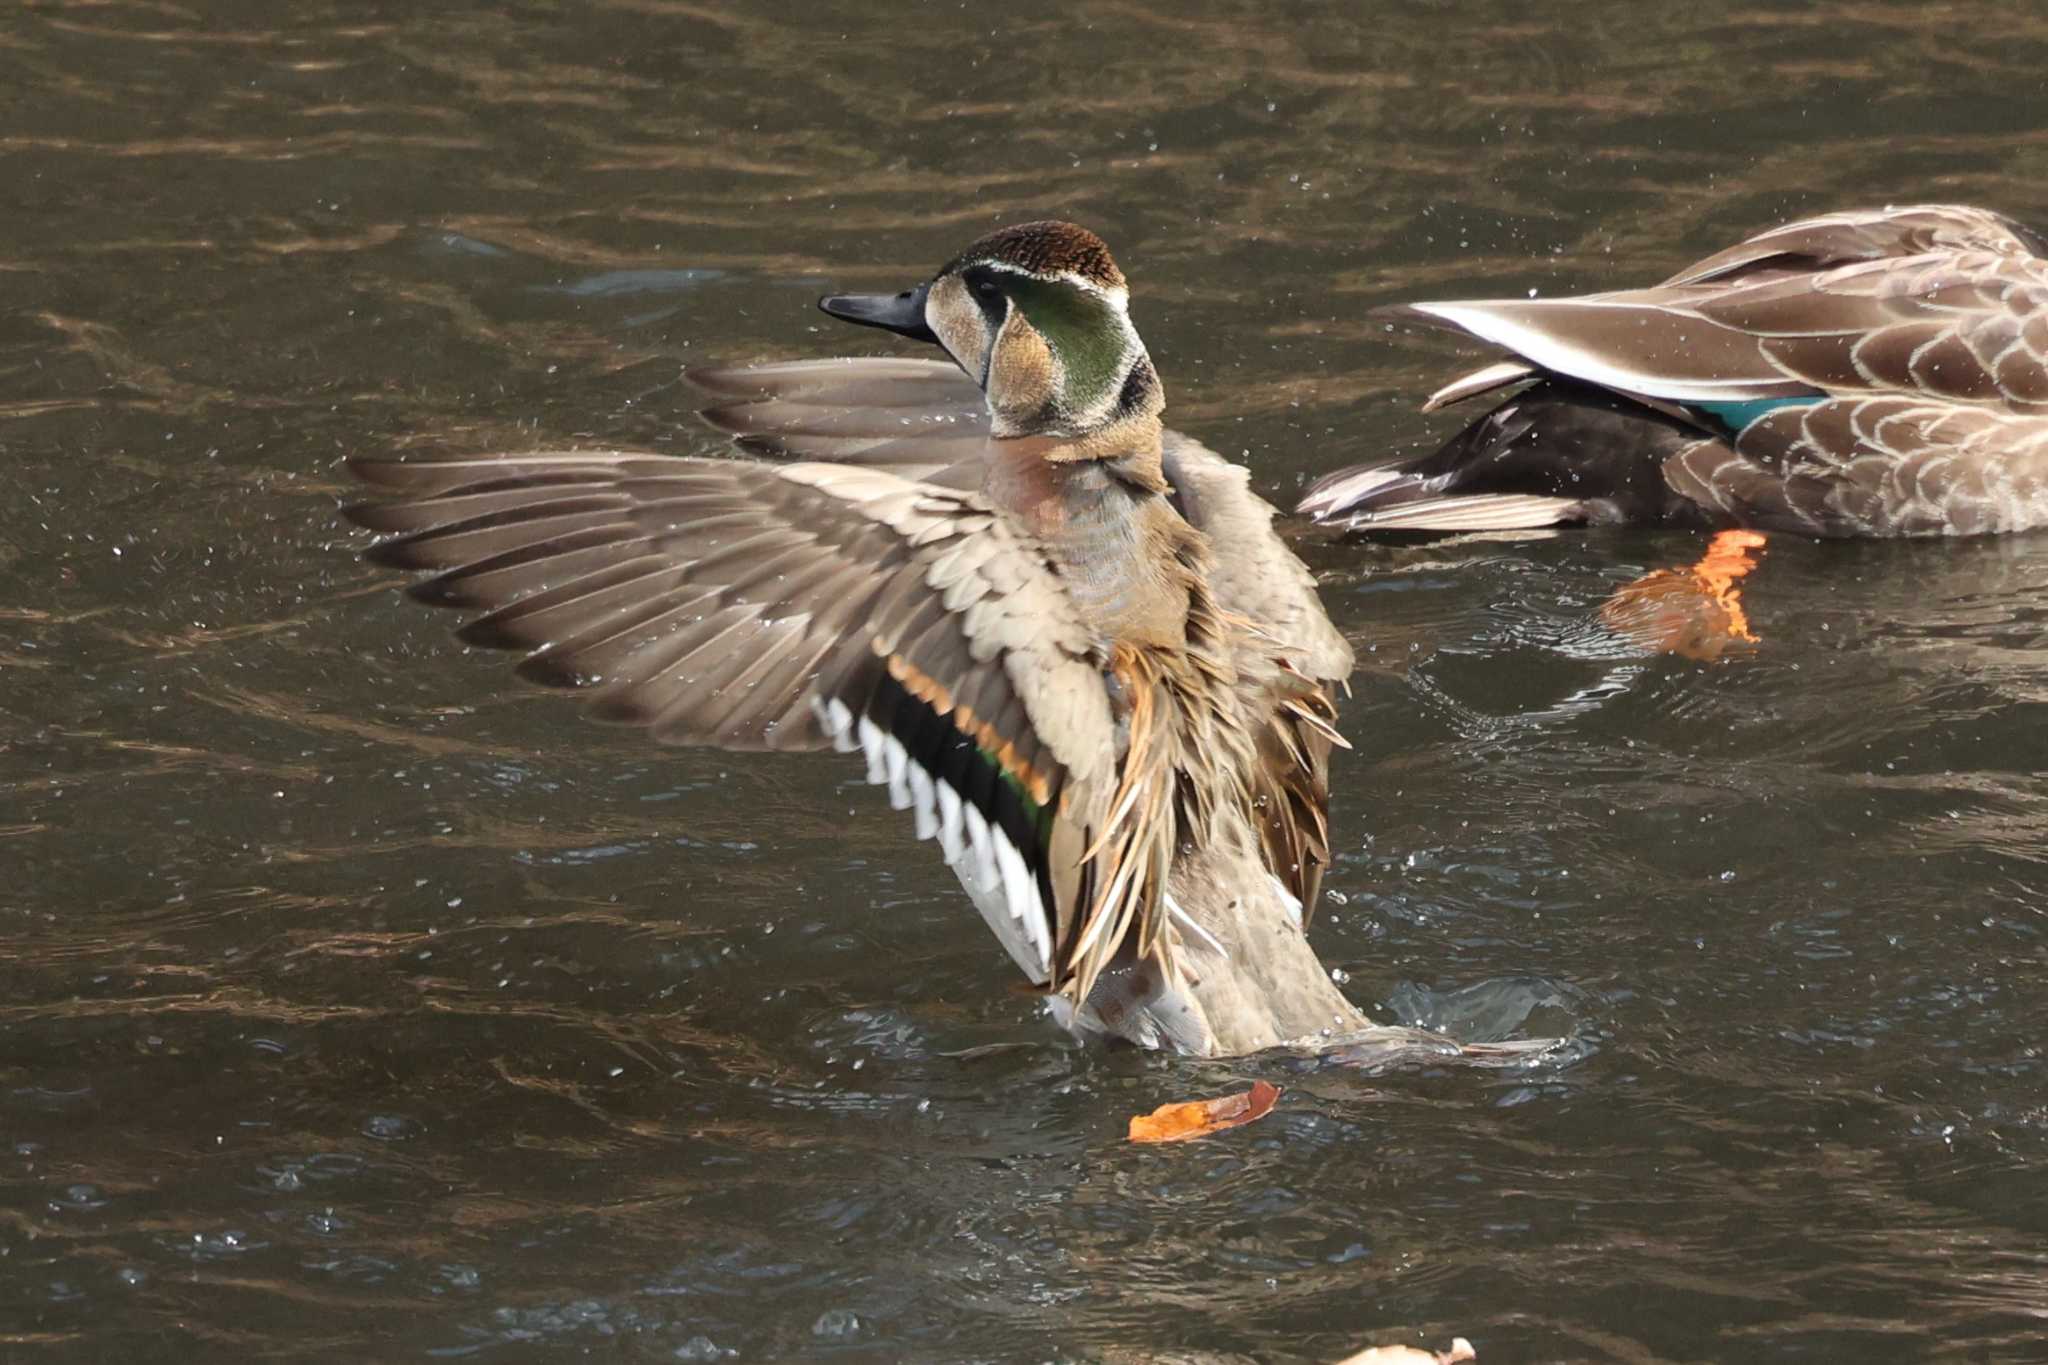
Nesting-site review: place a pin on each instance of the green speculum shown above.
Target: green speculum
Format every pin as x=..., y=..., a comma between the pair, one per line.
x=1039, y=816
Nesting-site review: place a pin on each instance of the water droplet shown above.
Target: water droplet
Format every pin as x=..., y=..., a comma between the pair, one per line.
x=840, y=1323
x=79, y=1197
x=390, y=1127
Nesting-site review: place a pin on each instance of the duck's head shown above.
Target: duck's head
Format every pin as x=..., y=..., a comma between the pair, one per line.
x=1038, y=314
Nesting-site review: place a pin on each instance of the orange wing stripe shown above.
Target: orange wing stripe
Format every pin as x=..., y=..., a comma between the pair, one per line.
x=936, y=695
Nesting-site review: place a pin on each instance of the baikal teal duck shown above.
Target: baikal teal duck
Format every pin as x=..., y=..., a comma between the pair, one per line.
x=1869, y=373
x=1067, y=641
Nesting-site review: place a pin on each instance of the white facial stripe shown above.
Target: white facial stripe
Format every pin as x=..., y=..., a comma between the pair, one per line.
x=1119, y=296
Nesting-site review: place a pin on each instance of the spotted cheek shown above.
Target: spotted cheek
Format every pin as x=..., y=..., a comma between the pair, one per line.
x=1022, y=379
x=959, y=325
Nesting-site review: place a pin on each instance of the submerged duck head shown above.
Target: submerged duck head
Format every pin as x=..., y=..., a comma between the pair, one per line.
x=1038, y=314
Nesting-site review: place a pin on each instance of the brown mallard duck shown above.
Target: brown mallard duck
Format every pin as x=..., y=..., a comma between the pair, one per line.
x=1870, y=373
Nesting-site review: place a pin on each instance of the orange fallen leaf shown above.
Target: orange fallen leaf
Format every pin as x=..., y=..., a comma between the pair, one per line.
x=1695, y=612
x=1461, y=1349
x=1198, y=1118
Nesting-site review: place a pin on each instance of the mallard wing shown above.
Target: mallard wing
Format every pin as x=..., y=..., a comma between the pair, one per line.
x=751, y=605
x=1836, y=239
x=1745, y=328
x=1885, y=465
x=1927, y=330
x=1879, y=372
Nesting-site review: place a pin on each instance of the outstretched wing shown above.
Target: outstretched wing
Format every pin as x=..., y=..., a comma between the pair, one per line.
x=925, y=419
x=919, y=419
x=751, y=605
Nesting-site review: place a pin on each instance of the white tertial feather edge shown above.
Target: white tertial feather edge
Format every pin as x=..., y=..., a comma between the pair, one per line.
x=1480, y=381
x=899, y=773
x=1471, y=512
x=871, y=744
x=1513, y=334
x=949, y=821
x=924, y=803
x=837, y=722
x=991, y=869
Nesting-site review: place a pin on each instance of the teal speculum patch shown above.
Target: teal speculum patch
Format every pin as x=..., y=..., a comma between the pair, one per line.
x=1735, y=416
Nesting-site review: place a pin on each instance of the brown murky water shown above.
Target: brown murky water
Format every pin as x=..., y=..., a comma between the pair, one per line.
x=357, y=1004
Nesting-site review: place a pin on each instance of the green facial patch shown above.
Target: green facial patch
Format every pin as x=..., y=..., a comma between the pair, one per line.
x=1083, y=331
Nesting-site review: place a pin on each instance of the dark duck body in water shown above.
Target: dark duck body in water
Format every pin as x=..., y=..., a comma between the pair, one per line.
x=1860, y=374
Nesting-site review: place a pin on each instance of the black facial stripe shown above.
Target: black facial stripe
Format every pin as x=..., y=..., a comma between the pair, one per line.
x=987, y=292
x=1138, y=388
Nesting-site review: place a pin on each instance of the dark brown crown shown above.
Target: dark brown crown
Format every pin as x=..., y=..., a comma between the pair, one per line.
x=1044, y=248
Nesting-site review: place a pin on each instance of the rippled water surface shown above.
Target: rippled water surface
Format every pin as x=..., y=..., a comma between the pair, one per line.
x=357, y=1004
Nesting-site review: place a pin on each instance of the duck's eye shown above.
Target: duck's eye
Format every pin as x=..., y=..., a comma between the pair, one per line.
x=986, y=288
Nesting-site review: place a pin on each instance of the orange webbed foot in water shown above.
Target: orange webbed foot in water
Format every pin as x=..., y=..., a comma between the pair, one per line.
x=1695, y=612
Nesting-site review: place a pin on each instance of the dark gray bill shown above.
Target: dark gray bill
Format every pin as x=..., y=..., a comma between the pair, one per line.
x=902, y=313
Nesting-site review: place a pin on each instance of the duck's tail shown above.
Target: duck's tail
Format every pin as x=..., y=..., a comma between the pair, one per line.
x=1558, y=453
x=1400, y=498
